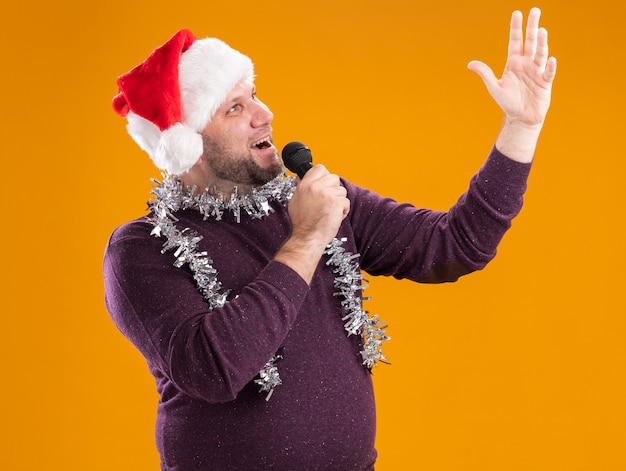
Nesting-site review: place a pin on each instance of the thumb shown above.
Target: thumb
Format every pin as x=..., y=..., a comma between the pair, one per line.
x=484, y=72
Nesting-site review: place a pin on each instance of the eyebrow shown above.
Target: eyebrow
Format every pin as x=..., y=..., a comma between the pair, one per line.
x=237, y=98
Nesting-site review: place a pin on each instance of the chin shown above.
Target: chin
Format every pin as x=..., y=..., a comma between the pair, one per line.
x=272, y=164
x=263, y=175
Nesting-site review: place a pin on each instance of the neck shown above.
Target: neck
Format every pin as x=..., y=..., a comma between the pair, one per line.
x=215, y=186
x=172, y=195
x=203, y=179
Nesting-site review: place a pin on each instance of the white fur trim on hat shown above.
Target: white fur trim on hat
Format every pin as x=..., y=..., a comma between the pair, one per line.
x=208, y=71
x=175, y=150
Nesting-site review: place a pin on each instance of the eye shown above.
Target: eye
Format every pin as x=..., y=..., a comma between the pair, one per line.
x=233, y=109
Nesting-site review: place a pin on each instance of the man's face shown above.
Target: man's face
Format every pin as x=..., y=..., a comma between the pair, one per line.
x=238, y=145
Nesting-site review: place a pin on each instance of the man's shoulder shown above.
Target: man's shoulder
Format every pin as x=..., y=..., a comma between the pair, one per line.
x=138, y=228
x=133, y=242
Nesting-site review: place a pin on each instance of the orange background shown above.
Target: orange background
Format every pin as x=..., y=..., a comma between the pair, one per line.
x=518, y=367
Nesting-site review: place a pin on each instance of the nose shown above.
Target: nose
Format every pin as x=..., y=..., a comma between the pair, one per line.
x=262, y=116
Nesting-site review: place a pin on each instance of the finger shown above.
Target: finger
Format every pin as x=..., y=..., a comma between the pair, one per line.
x=541, y=55
x=550, y=72
x=323, y=180
x=341, y=191
x=315, y=172
x=484, y=72
x=515, y=34
x=532, y=28
x=346, y=207
x=330, y=179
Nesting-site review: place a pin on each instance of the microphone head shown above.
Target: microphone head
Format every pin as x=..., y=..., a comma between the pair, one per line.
x=297, y=158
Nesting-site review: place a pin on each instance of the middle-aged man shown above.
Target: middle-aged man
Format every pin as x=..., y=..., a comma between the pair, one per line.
x=242, y=287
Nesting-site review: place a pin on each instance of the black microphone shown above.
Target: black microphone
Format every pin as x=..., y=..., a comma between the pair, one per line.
x=297, y=158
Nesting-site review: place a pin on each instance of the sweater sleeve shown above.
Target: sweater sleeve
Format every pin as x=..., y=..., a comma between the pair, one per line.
x=428, y=246
x=210, y=355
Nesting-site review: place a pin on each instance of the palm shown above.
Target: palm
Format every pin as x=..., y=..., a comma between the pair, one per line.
x=523, y=91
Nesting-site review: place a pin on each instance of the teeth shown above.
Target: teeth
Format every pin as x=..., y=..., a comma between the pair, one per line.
x=265, y=139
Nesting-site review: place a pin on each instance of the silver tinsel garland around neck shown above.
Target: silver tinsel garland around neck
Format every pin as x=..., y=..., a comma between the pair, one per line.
x=171, y=196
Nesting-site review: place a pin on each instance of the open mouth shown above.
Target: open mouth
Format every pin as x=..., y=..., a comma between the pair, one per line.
x=263, y=143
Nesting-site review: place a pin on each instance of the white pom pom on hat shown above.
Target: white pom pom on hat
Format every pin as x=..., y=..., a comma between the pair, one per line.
x=170, y=97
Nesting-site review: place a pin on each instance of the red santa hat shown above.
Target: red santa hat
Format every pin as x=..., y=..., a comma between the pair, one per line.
x=170, y=97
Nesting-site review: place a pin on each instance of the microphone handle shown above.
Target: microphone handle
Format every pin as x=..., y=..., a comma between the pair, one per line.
x=303, y=168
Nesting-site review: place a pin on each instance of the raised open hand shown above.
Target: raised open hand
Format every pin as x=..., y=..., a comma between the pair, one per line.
x=524, y=90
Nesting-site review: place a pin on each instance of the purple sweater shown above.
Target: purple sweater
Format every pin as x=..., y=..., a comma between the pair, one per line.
x=211, y=415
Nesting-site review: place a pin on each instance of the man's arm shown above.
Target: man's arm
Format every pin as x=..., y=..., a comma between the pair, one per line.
x=523, y=92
